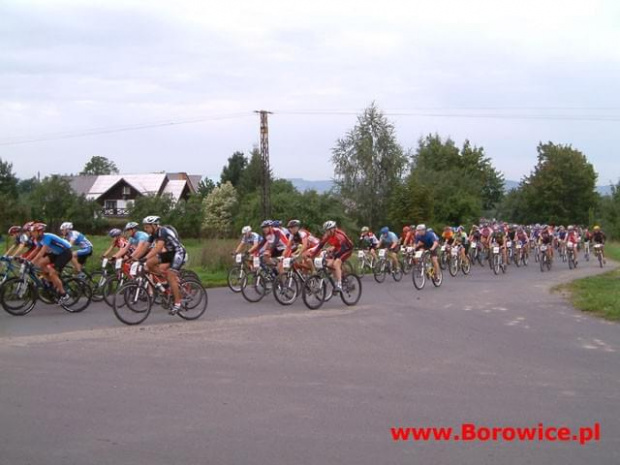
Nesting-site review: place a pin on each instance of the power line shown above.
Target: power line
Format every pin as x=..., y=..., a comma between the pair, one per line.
x=115, y=129
x=425, y=113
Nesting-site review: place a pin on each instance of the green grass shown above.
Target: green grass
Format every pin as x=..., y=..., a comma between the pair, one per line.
x=600, y=294
x=210, y=259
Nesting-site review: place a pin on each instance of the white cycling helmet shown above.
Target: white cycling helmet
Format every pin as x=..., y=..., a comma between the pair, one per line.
x=329, y=225
x=151, y=220
x=131, y=225
x=246, y=230
x=66, y=225
x=420, y=227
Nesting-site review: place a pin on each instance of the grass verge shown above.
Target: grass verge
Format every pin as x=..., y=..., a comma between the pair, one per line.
x=599, y=295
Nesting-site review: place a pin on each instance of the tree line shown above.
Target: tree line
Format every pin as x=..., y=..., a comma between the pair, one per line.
x=377, y=183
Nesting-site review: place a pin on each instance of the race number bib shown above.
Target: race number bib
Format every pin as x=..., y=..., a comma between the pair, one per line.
x=382, y=253
x=104, y=263
x=474, y=245
x=454, y=252
x=238, y=258
x=509, y=244
x=443, y=248
x=360, y=254
x=495, y=249
x=256, y=262
x=318, y=263
x=118, y=264
x=543, y=248
x=134, y=268
x=286, y=263
x=409, y=249
x=418, y=254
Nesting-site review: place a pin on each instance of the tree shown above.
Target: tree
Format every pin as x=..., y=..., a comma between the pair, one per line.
x=368, y=163
x=252, y=176
x=205, y=187
x=233, y=171
x=51, y=201
x=146, y=205
x=218, y=209
x=8, y=180
x=99, y=166
x=561, y=189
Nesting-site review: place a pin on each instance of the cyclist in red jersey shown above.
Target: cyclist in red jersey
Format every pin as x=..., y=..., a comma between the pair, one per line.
x=342, y=249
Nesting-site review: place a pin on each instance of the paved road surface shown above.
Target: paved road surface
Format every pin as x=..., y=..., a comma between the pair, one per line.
x=265, y=384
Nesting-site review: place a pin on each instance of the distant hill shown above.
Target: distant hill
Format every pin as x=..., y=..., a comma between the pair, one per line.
x=305, y=185
x=325, y=186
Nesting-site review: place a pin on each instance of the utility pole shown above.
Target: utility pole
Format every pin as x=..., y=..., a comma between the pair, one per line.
x=264, y=153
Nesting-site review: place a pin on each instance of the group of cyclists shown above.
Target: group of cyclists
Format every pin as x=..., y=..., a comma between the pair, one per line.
x=278, y=240
x=158, y=246
x=160, y=249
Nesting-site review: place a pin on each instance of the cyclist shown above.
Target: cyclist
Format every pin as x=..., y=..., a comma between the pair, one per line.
x=499, y=236
x=428, y=240
x=138, y=242
x=461, y=238
x=573, y=237
x=390, y=241
x=342, y=248
x=167, y=255
x=546, y=238
x=369, y=241
x=27, y=244
x=14, y=233
x=118, y=242
x=407, y=237
x=248, y=239
x=52, y=256
x=301, y=243
x=76, y=238
x=273, y=244
x=598, y=237
x=523, y=239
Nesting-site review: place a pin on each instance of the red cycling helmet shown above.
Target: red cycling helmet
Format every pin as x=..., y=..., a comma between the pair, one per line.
x=39, y=227
x=14, y=230
x=28, y=226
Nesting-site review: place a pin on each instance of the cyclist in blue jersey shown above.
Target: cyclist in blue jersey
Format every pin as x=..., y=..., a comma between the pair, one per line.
x=390, y=241
x=249, y=239
x=138, y=242
x=79, y=240
x=428, y=240
x=52, y=256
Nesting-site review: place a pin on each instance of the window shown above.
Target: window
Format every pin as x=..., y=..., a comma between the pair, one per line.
x=126, y=190
x=110, y=204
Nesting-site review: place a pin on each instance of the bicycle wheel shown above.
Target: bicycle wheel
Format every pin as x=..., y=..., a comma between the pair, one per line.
x=80, y=294
x=18, y=297
x=235, y=278
x=97, y=282
x=496, y=263
x=571, y=261
x=136, y=303
x=313, y=292
x=253, y=286
x=418, y=276
x=466, y=266
x=110, y=287
x=189, y=274
x=351, y=289
x=600, y=259
x=379, y=271
x=453, y=267
x=286, y=288
x=397, y=275
x=194, y=299
x=437, y=278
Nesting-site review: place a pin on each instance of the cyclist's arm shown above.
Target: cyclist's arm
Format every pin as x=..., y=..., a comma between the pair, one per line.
x=140, y=251
x=110, y=249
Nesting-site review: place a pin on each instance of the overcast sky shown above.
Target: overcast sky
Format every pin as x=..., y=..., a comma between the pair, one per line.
x=73, y=66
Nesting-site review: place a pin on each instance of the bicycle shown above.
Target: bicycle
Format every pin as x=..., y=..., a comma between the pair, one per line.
x=598, y=253
x=134, y=300
x=522, y=256
x=424, y=269
x=287, y=285
x=19, y=295
x=238, y=271
x=586, y=250
x=474, y=253
x=384, y=266
x=497, y=260
x=256, y=284
x=544, y=259
x=365, y=262
x=457, y=263
x=572, y=262
x=315, y=289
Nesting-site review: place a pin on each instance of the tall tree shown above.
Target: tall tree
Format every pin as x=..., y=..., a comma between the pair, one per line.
x=205, y=187
x=561, y=189
x=233, y=171
x=252, y=176
x=8, y=180
x=368, y=163
x=51, y=201
x=98, y=166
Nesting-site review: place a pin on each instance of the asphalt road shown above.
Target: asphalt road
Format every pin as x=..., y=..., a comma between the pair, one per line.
x=265, y=384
